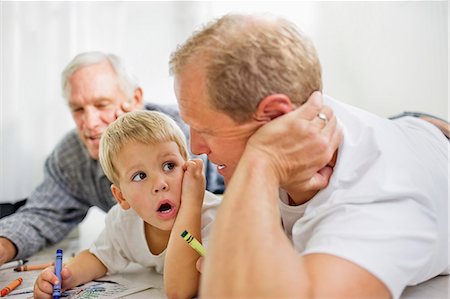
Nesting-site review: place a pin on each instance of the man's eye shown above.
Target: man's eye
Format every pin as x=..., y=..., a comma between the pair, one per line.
x=75, y=110
x=102, y=105
x=139, y=177
x=168, y=166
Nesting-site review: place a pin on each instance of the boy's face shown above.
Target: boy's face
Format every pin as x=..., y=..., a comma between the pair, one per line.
x=150, y=178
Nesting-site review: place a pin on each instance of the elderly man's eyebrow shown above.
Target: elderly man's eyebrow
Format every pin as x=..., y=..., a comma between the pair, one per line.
x=103, y=99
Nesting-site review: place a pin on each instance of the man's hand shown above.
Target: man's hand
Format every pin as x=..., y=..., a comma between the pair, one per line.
x=194, y=181
x=299, y=145
x=125, y=107
x=7, y=250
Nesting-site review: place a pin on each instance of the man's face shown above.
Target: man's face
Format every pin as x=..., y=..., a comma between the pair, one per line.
x=212, y=132
x=94, y=98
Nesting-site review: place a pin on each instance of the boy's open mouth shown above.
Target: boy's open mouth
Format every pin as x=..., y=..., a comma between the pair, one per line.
x=165, y=208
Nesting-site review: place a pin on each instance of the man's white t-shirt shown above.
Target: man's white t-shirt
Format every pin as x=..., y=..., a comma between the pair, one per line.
x=386, y=205
x=123, y=239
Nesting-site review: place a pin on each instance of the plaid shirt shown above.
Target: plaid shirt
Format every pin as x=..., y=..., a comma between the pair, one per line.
x=73, y=182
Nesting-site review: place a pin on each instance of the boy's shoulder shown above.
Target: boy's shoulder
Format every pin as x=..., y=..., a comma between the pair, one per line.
x=210, y=199
x=119, y=218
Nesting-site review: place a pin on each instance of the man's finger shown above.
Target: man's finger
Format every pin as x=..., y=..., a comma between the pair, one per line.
x=330, y=127
x=336, y=137
x=322, y=118
x=119, y=113
x=311, y=107
x=124, y=108
x=321, y=179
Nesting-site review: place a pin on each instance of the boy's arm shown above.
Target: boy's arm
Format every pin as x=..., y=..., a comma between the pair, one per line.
x=81, y=269
x=181, y=278
x=85, y=267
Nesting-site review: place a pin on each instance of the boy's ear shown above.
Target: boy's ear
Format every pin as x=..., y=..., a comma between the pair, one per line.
x=273, y=106
x=119, y=197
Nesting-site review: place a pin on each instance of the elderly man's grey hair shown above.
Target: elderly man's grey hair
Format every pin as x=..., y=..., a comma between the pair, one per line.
x=127, y=81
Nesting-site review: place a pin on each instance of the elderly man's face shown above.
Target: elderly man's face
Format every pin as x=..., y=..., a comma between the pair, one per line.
x=212, y=132
x=94, y=98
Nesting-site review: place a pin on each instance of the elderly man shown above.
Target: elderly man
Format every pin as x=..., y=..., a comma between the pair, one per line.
x=242, y=85
x=98, y=88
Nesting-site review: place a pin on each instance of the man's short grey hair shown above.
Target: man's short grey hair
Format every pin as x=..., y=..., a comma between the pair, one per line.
x=127, y=81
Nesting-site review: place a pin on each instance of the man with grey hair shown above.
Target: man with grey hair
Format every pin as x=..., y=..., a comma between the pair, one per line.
x=377, y=225
x=98, y=87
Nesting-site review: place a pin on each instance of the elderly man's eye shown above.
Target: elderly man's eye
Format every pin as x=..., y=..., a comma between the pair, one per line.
x=76, y=109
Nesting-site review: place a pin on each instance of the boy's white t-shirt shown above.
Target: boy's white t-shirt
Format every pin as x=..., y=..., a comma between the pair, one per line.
x=123, y=239
x=386, y=205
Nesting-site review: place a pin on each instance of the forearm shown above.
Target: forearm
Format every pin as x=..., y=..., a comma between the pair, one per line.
x=84, y=267
x=249, y=255
x=47, y=217
x=30, y=230
x=181, y=277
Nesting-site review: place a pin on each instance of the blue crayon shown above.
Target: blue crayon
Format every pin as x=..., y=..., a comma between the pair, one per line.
x=58, y=268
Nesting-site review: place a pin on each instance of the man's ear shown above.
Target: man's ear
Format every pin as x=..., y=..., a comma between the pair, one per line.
x=273, y=106
x=119, y=197
x=138, y=98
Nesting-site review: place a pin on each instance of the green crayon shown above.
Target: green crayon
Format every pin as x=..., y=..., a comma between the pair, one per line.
x=193, y=242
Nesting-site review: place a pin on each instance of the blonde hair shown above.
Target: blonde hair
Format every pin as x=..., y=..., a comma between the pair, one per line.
x=147, y=127
x=247, y=58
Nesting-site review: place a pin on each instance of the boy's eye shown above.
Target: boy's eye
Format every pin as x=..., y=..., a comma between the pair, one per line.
x=139, y=176
x=168, y=166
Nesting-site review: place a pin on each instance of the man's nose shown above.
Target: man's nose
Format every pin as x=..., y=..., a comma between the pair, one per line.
x=91, y=118
x=198, y=144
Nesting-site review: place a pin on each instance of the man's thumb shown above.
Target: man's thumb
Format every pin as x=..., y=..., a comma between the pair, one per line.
x=321, y=179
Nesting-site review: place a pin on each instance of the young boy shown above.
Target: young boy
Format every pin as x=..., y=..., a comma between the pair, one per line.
x=160, y=194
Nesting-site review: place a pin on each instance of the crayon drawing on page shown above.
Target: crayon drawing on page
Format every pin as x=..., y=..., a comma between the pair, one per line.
x=118, y=288
x=95, y=290
x=104, y=289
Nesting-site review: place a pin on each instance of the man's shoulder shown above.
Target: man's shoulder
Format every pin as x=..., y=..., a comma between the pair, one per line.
x=70, y=149
x=69, y=159
x=171, y=110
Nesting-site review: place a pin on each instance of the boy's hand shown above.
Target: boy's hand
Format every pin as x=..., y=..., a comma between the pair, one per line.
x=43, y=287
x=199, y=264
x=194, y=181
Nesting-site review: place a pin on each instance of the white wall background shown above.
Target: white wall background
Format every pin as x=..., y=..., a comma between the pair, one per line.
x=385, y=57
